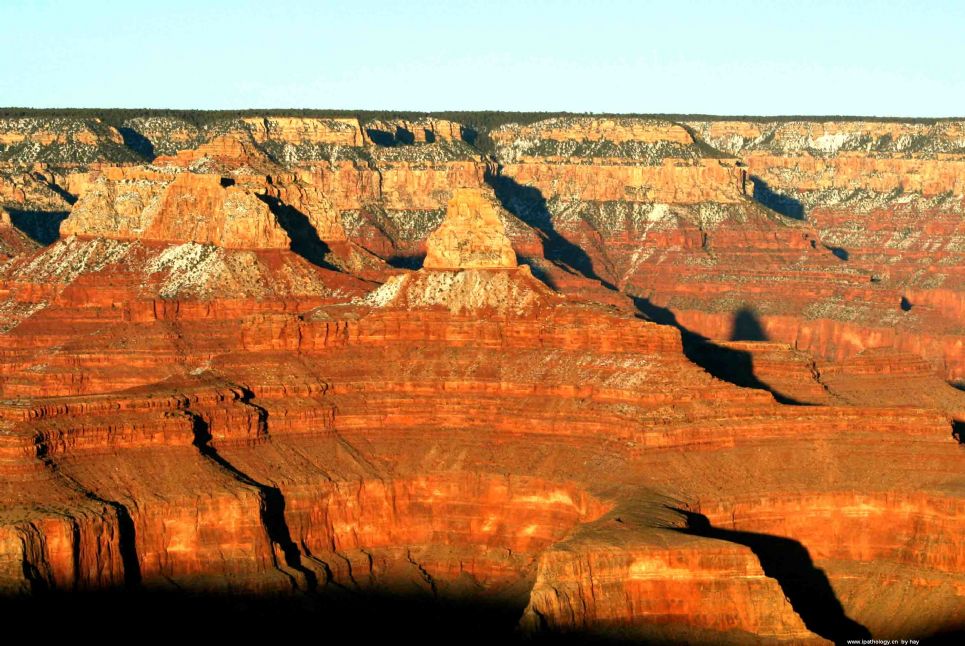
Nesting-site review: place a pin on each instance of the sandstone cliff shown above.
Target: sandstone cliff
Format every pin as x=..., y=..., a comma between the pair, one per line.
x=183, y=207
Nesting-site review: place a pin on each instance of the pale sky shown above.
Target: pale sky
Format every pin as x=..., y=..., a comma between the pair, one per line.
x=726, y=57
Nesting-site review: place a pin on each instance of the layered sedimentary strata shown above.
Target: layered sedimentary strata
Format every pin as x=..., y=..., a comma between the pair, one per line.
x=885, y=197
x=603, y=428
x=857, y=248
x=61, y=140
x=601, y=195
x=619, y=396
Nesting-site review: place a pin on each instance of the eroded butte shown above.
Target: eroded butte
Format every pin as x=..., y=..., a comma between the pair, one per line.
x=609, y=378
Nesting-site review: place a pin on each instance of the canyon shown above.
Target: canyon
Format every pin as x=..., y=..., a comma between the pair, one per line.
x=679, y=380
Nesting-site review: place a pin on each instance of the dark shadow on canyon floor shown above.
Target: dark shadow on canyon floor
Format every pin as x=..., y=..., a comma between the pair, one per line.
x=353, y=618
x=40, y=226
x=805, y=586
x=406, y=261
x=727, y=364
x=304, y=238
x=528, y=204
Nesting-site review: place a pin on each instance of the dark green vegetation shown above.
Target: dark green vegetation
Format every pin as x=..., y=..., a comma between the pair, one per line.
x=479, y=119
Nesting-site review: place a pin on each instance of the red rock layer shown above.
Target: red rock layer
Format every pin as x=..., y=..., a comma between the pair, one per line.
x=219, y=412
x=530, y=445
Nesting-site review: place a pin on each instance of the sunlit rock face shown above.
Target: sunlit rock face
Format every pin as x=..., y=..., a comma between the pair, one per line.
x=471, y=236
x=592, y=382
x=184, y=207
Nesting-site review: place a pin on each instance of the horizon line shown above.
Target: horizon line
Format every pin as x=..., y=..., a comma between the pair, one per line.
x=353, y=111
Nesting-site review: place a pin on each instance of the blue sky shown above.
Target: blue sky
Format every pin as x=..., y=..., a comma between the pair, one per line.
x=726, y=57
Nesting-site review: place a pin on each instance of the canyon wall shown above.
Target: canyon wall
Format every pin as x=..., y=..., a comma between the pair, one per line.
x=599, y=374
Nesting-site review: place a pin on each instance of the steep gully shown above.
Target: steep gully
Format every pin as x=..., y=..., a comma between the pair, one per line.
x=276, y=527
x=272, y=513
x=485, y=620
x=127, y=543
x=272, y=500
x=783, y=559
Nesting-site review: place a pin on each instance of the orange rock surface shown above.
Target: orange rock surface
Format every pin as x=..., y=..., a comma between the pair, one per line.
x=181, y=208
x=471, y=236
x=620, y=396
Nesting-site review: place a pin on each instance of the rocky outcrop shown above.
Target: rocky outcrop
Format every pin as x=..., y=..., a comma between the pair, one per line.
x=471, y=236
x=296, y=131
x=609, y=130
x=924, y=138
x=229, y=154
x=310, y=202
x=181, y=207
x=354, y=448
x=866, y=188
x=470, y=266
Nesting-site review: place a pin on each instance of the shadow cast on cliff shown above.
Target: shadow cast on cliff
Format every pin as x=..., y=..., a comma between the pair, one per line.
x=838, y=252
x=304, y=238
x=65, y=195
x=727, y=364
x=805, y=586
x=126, y=532
x=539, y=272
x=138, y=143
x=528, y=204
x=783, y=204
x=399, y=137
x=406, y=261
x=746, y=326
x=42, y=227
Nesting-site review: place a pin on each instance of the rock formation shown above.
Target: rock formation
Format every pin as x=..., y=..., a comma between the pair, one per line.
x=596, y=385
x=183, y=207
x=471, y=236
